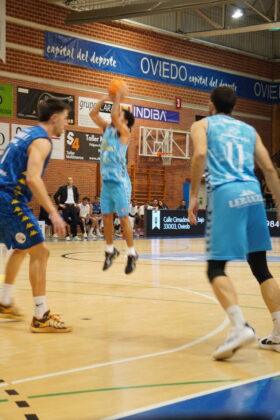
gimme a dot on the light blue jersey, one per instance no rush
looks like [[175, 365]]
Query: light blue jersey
[[236, 219], [116, 185], [231, 146], [113, 156]]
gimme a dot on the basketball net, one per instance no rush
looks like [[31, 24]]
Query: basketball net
[[166, 158]]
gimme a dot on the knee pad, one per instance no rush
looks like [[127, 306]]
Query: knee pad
[[258, 264], [215, 268]]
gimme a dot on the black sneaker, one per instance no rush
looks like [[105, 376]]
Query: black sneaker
[[109, 257], [131, 263]]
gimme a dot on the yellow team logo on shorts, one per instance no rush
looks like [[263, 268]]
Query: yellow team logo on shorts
[[25, 218], [29, 225], [33, 233]]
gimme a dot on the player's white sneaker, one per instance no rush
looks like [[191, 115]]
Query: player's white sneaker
[[271, 342], [76, 238], [238, 337], [67, 238]]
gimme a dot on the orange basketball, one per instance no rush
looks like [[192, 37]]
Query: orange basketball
[[115, 85]]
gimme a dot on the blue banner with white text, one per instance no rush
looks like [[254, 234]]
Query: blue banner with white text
[[156, 114], [122, 61]]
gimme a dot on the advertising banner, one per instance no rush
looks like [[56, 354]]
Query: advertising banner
[[124, 61], [4, 136], [28, 100], [58, 147], [6, 100], [163, 223], [58, 142], [175, 223], [82, 146], [155, 114], [16, 128], [86, 105]]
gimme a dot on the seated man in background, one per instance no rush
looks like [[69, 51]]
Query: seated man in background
[[96, 218], [141, 214], [182, 206], [155, 204], [133, 210], [162, 205], [84, 214], [117, 226], [44, 217], [67, 197]]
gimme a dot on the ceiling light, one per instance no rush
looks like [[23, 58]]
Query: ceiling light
[[237, 14]]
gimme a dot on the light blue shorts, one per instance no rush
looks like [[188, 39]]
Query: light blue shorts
[[236, 221], [115, 197]]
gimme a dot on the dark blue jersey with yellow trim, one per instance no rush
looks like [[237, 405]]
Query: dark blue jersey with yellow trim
[[13, 163]]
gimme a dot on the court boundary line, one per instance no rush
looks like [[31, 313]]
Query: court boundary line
[[134, 358], [121, 415]]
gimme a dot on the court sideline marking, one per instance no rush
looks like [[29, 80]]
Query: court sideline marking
[[119, 416], [134, 358]]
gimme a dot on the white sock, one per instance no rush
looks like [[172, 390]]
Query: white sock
[[109, 248], [235, 316], [7, 294], [276, 322], [40, 306], [131, 251]]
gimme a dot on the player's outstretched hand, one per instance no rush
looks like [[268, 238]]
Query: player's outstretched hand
[[192, 211], [59, 226]]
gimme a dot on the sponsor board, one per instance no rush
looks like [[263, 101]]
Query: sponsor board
[[82, 146]]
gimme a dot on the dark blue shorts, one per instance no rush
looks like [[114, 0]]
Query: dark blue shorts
[[19, 227]]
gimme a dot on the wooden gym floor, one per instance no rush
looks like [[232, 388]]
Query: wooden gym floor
[[138, 340]]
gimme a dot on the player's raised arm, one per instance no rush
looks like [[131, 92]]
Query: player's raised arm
[[38, 151], [117, 117], [264, 162], [95, 113], [199, 142]]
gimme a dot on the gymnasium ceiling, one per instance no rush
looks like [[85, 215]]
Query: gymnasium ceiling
[[256, 32]]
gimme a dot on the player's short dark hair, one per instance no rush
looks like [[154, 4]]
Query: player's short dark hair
[[129, 118], [224, 99], [86, 198], [49, 107]]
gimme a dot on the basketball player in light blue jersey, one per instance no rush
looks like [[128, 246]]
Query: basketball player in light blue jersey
[[116, 185], [236, 219], [21, 169]]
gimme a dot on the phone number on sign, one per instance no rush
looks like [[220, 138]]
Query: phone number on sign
[[273, 223]]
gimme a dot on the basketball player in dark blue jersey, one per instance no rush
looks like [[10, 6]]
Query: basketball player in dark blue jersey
[[236, 219], [116, 185], [21, 169]]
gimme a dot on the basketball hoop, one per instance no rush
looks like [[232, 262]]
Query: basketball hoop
[[165, 157]]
